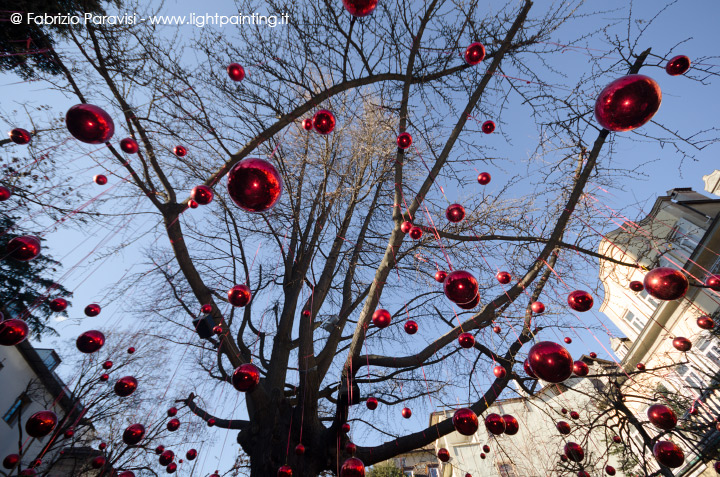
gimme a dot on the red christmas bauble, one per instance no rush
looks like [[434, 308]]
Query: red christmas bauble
[[503, 277], [666, 283], [466, 340], [58, 304], [406, 226], [350, 448], [92, 309], [129, 145], [471, 304], [682, 344], [499, 372], [440, 276], [192, 204], [353, 467], [180, 151], [574, 452], [705, 323], [528, 369], [582, 473], [159, 450], [173, 425], [172, 412], [360, 8], [574, 415], [11, 460], [5, 193], [307, 124], [133, 434], [104, 377], [496, 329], [299, 449], [345, 428], [404, 140], [580, 368], [567, 340], [550, 361], [486, 448], [246, 377], [668, 454], [239, 295], [609, 470], [416, 233], [563, 427], [580, 300], [13, 332], [171, 468], [488, 127], [406, 412], [206, 309], [381, 318], [90, 341], [254, 185], [211, 422], [23, 249], [236, 72], [593, 355], [482, 455], [636, 286], [131, 350], [495, 424], [662, 416], [285, 471], [371, 403], [324, 121], [166, 457], [512, 426], [411, 327], [461, 286], [443, 454], [69, 433], [465, 421], [125, 386], [191, 454], [201, 194], [217, 329], [713, 282], [100, 179], [616, 439], [484, 178], [455, 213], [564, 411], [127, 473], [717, 467], [640, 367], [98, 462], [677, 65], [19, 136], [474, 53], [89, 124], [41, 424], [627, 103], [107, 364], [537, 307]]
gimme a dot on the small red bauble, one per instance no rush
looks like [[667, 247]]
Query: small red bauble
[[23, 249], [666, 283], [616, 439], [107, 364], [461, 286], [406, 412], [173, 424], [100, 179], [482, 455], [503, 277], [206, 309], [662, 416], [488, 127], [90, 341], [202, 194], [609, 470], [550, 361], [404, 140], [574, 415], [180, 151], [381, 318], [416, 233], [324, 121], [455, 213], [131, 350], [360, 8], [11, 460], [192, 204], [713, 282], [104, 377], [465, 421], [406, 226], [246, 377], [567, 340], [58, 304], [89, 124], [98, 462], [129, 145], [69, 433], [496, 329], [705, 323], [353, 467], [537, 307], [574, 452], [564, 411], [411, 327], [239, 295], [677, 65], [125, 386], [371, 403], [582, 473], [306, 313], [563, 427], [41, 424], [528, 369], [345, 428], [512, 426], [254, 185], [484, 178], [350, 448], [191, 454], [682, 344], [443, 454], [627, 103], [92, 309], [166, 457], [499, 372], [495, 424], [285, 471], [172, 412], [133, 434], [486, 448], [307, 124], [19, 136], [211, 422], [5, 193], [159, 450], [236, 72], [13, 332], [636, 286], [580, 300], [217, 329], [440, 276], [580, 368], [299, 449], [668, 454], [466, 340], [474, 53], [640, 367], [593, 355]]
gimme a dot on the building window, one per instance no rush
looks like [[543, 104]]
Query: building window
[[507, 470], [408, 473], [635, 321], [433, 472], [12, 414], [652, 302], [711, 348]]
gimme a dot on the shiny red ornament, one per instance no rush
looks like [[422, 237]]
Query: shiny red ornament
[[307, 124], [192, 204], [127, 473], [69, 433], [677, 65], [512, 426], [455, 213], [662, 416], [496, 329], [666, 283], [564, 411], [19, 136], [580, 368], [640, 367], [201, 194], [404, 140], [461, 286], [482, 455], [125, 386], [466, 340], [104, 377], [217, 329], [406, 226], [191, 454], [406, 412], [499, 372], [353, 467], [486, 448], [254, 185], [98, 462], [537, 307], [443, 454], [58, 304], [107, 364], [173, 425], [528, 369], [713, 282], [239, 295], [306, 313], [159, 450], [484, 178], [236, 72], [593, 355], [440, 276], [133, 434], [41, 424], [285, 471], [246, 377], [495, 424], [345, 428], [131, 350], [668, 454], [574, 415], [705, 323], [563, 427], [580, 300], [582, 473], [616, 439], [503, 278], [471, 304], [13, 332], [360, 8], [23, 249], [411, 327], [682, 344], [550, 361], [129, 145], [474, 53], [90, 341], [166, 457], [627, 103], [180, 151], [350, 448], [5, 193], [172, 412], [381, 318], [206, 309], [574, 452], [609, 470], [416, 233], [89, 124], [299, 449], [636, 286], [567, 340], [324, 121], [371, 403], [11, 460], [92, 309], [488, 127], [100, 179], [211, 422], [465, 421]]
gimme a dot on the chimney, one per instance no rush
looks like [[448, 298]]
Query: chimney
[[712, 182]]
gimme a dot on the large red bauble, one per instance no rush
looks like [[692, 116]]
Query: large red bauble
[[90, 341], [41, 424], [550, 361], [239, 295], [537, 307], [668, 454], [411, 327], [12, 332], [528, 369], [484, 178], [324, 121], [662, 416], [677, 65], [254, 185], [360, 8], [443, 454], [580, 368], [713, 282], [404, 140], [166, 457], [58, 304], [609, 470], [172, 467], [461, 286], [92, 309], [465, 421], [100, 179], [5, 193], [125, 386], [474, 53], [202, 194], [89, 124], [129, 145], [495, 424], [637, 286], [512, 426], [666, 283], [19, 136], [488, 127], [563, 427], [173, 424], [705, 323], [353, 467], [499, 372], [574, 452], [371, 403], [682, 344], [381, 318], [11, 460], [455, 213], [466, 340], [284, 471], [415, 233], [23, 249], [406, 412], [133, 434], [627, 103], [471, 304], [580, 300], [236, 72], [246, 377], [440, 276], [503, 277], [191, 454], [406, 226]]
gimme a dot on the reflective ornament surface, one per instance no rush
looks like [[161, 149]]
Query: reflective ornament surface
[[90, 341], [360, 8], [41, 424], [495, 424], [236, 72], [89, 124], [404, 140], [668, 454], [23, 249], [666, 283], [628, 103], [580, 300], [460, 286], [488, 127], [246, 377], [13, 332], [202, 194], [465, 421], [92, 309], [411, 327], [239, 295], [474, 53], [503, 278], [133, 434], [484, 178], [324, 122], [129, 145], [125, 386], [677, 65], [455, 213], [550, 361], [19, 136], [254, 185], [381, 318], [466, 340]]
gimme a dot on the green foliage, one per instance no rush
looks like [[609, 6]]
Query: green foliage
[[24, 286], [385, 470]]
